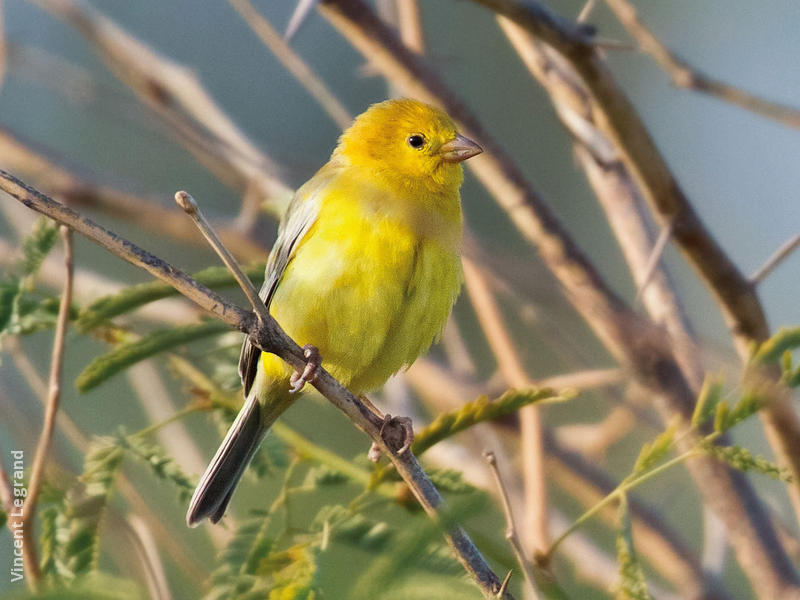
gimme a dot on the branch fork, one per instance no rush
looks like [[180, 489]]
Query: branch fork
[[268, 336]]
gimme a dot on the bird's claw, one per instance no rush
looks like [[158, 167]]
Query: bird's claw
[[313, 360], [395, 431]]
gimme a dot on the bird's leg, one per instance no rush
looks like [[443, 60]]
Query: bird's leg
[[397, 432], [313, 361]]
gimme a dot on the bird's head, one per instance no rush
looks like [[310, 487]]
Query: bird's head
[[409, 139]]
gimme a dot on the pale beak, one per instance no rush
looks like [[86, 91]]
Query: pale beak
[[458, 149]]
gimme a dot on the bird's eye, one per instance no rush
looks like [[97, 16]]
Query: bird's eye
[[416, 141]]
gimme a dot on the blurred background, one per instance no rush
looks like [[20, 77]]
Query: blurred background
[[60, 100]]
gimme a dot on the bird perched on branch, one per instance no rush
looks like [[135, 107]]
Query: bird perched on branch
[[365, 271]]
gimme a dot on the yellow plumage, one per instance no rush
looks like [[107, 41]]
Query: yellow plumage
[[366, 268]]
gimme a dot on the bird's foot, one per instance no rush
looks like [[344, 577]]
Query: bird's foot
[[397, 432], [313, 361]]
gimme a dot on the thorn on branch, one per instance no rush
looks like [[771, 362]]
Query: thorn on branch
[[504, 585]]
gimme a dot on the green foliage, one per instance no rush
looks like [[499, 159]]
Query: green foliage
[[78, 525], [353, 528], [19, 313], [632, 585], [419, 548], [477, 411], [450, 480], [251, 566], [234, 573], [748, 405], [323, 475], [654, 451], [707, 401], [744, 460], [108, 307], [155, 457], [127, 354], [38, 244], [294, 573], [3, 518], [48, 541], [771, 351]]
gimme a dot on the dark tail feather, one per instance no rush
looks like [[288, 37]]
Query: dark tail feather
[[218, 483]]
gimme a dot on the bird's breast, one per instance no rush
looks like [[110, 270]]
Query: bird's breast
[[369, 288]]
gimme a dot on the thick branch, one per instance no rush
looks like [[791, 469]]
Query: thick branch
[[269, 337]]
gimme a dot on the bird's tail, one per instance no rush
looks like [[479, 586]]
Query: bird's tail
[[218, 483]]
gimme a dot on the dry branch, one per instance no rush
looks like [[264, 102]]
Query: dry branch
[[685, 76], [510, 365], [293, 63], [50, 412]]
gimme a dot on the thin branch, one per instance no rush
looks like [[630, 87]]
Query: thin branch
[[652, 261], [269, 337], [685, 76], [511, 530], [293, 63], [50, 412], [146, 551], [189, 206], [586, 11], [508, 361], [775, 259], [301, 12]]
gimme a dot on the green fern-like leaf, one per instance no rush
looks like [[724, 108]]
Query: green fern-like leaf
[[105, 366], [654, 451], [726, 418], [38, 244], [48, 542], [707, 401], [235, 576], [108, 307], [771, 350], [321, 475], [35, 248], [450, 480], [477, 411], [79, 523], [353, 528], [294, 573], [162, 465], [9, 292], [744, 460], [632, 585]]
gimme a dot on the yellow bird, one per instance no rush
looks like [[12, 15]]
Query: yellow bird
[[366, 269]]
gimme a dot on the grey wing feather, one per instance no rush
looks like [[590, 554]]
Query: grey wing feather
[[300, 215]]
